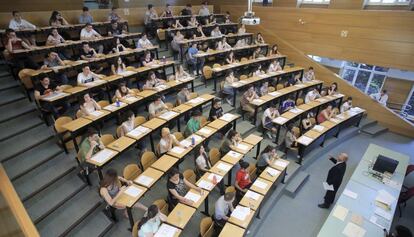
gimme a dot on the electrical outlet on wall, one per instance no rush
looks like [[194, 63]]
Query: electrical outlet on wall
[[344, 33]]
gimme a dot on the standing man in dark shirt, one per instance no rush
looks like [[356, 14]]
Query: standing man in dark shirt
[[335, 176], [187, 11], [47, 88], [216, 112]]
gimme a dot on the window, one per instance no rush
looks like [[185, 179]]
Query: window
[[388, 2], [315, 1]]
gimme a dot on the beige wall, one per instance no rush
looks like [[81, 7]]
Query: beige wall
[[40, 5]]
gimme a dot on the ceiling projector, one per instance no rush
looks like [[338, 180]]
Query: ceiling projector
[[249, 18]]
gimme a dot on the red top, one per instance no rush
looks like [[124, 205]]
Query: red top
[[243, 178], [320, 117]]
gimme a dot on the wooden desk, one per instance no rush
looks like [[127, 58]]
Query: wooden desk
[[205, 178], [131, 99], [249, 201], [266, 174], [76, 124], [200, 200], [180, 215], [121, 144], [260, 190], [230, 230], [165, 229], [206, 131], [103, 113], [139, 132], [146, 93], [217, 124], [164, 163], [216, 168], [151, 173], [242, 223], [182, 108], [232, 157], [280, 164], [129, 197], [154, 123], [253, 139], [243, 148], [114, 108]]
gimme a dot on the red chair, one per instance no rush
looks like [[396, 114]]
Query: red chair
[[410, 168], [404, 197]]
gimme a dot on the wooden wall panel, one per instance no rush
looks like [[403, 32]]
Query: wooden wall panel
[[398, 89], [40, 5], [270, 30], [285, 3], [346, 4]]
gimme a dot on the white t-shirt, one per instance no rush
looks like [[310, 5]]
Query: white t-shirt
[[204, 11], [216, 33], [23, 24], [381, 99], [268, 114], [311, 96], [308, 76], [153, 109], [144, 43], [345, 106], [85, 34], [82, 78], [163, 143], [201, 162]]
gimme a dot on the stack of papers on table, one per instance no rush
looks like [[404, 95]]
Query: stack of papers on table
[[205, 130], [227, 117], [263, 75], [131, 99], [54, 95], [144, 180], [318, 128], [185, 143], [281, 163], [242, 147], [280, 120], [305, 140], [218, 177], [335, 120], [196, 137], [196, 100], [385, 199], [168, 115], [252, 195], [272, 172], [352, 230], [322, 100], [193, 196], [205, 185], [138, 131], [96, 113], [166, 231], [274, 93], [240, 213], [257, 101], [133, 191], [178, 150], [102, 156], [260, 184], [234, 154], [296, 110]]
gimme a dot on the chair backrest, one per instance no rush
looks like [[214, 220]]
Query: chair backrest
[[203, 121], [252, 171], [131, 68], [139, 120], [335, 110], [215, 155], [271, 89], [107, 138], [279, 86], [65, 87], [193, 95], [135, 229], [169, 105], [190, 175], [119, 131], [299, 101], [243, 59], [216, 65], [158, 149], [60, 122], [25, 78], [296, 131], [312, 121], [207, 72], [161, 34], [221, 85], [103, 103], [162, 206], [243, 77], [147, 159], [79, 113], [179, 136], [230, 189], [206, 227], [131, 171]]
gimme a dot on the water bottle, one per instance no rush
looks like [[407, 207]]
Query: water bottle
[[214, 180], [117, 103], [192, 141], [163, 59]]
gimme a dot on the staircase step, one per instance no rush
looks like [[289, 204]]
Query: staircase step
[[203, 90], [11, 95], [31, 159], [24, 141], [244, 127], [43, 176], [366, 122], [227, 108], [19, 124], [8, 83], [15, 109], [294, 185], [70, 214], [97, 224], [51, 198], [374, 130]]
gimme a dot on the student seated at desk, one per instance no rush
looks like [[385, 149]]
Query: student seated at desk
[[56, 19], [259, 39], [167, 141], [309, 75], [307, 123], [199, 33], [242, 182], [47, 88], [18, 23], [12, 43], [194, 124], [180, 73], [151, 222], [88, 33], [257, 53], [144, 43], [268, 115], [167, 12], [326, 114], [118, 67], [223, 45], [204, 11], [178, 37], [293, 80], [152, 82], [222, 209], [246, 99], [264, 89], [87, 76], [111, 188], [183, 96], [274, 66], [203, 163], [333, 89], [89, 105], [274, 50], [258, 71], [178, 187], [216, 110], [347, 105], [211, 20], [87, 53], [381, 97], [196, 64], [312, 95], [176, 24], [187, 11], [122, 92], [288, 104], [230, 142], [241, 43], [150, 14], [242, 29], [157, 107], [54, 38], [266, 158], [128, 125], [227, 17], [147, 59], [291, 136], [115, 30], [113, 15], [53, 60], [86, 16], [228, 88], [216, 32], [192, 22], [230, 58], [90, 145]]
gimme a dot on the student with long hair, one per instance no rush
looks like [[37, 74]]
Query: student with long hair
[[151, 222]]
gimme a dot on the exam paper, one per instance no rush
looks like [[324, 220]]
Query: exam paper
[[350, 194], [280, 120], [205, 130], [281, 163], [305, 140], [258, 101], [192, 196], [272, 172], [133, 191], [224, 167], [185, 143], [252, 195], [205, 185], [240, 212], [242, 147], [96, 113], [227, 117], [166, 231], [102, 156], [168, 115], [352, 230], [318, 128], [260, 184], [340, 212], [178, 150], [145, 180], [234, 154], [218, 177]]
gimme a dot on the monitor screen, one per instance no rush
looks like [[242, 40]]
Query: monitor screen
[[385, 164]]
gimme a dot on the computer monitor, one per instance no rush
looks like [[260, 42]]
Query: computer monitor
[[385, 164]]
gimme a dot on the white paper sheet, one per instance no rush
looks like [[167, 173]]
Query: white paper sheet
[[385, 197], [205, 130], [185, 143], [335, 120], [272, 172], [126, 73], [281, 163], [240, 212], [296, 111], [102, 156], [224, 167], [144, 180], [280, 120], [380, 222], [257, 101], [133, 191], [252, 195], [192, 196], [166, 231], [260, 184], [274, 93], [327, 187], [227, 117], [54, 95], [96, 113], [340, 212], [178, 150], [205, 185], [142, 129], [168, 115], [352, 230], [131, 99], [322, 100], [381, 212], [234, 154], [197, 138], [218, 177], [318, 128], [242, 147], [350, 194], [305, 140], [300, 85]]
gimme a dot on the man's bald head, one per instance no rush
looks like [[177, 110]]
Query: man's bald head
[[343, 157]]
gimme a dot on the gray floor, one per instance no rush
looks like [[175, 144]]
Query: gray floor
[[300, 217]]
